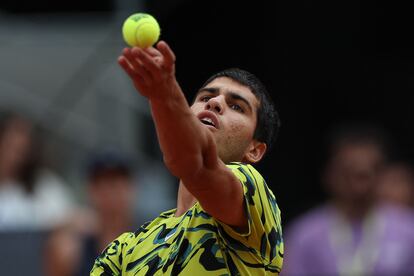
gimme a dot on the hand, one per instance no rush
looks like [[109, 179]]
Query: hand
[[152, 69]]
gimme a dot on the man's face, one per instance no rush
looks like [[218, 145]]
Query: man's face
[[15, 146], [111, 193], [229, 110], [354, 172]]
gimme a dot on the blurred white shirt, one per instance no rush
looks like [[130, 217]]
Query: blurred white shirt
[[48, 206]]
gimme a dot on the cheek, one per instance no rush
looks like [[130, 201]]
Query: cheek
[[237, 129], [243, 128], [237, 136], [196, 107]]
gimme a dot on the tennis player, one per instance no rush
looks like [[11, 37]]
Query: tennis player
[[226, 221]]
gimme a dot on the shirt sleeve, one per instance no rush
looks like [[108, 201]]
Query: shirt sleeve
[[264, 234], [109, 262]]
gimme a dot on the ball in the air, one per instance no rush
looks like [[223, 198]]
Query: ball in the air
[[140, 29]]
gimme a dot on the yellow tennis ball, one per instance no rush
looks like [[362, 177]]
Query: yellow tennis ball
[[140, 29]]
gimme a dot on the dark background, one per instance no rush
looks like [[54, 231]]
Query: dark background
[[324, 62]]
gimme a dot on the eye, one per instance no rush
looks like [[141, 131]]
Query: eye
[[237, 107], [205, 98]]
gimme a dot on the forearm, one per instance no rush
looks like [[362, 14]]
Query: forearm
[[188, 146], [189, 150], [184, 142]]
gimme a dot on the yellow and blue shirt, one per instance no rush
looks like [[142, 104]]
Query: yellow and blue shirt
[[195, 243]]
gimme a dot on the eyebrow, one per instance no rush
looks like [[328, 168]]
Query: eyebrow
[[233, 95]]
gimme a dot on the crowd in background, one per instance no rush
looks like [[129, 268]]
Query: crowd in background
[[43, 227], [365, 228], [31, 195], [367, 225]]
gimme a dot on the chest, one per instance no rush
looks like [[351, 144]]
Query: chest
[[173, 245]]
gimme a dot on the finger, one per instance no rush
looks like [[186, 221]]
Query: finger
[[137, 74], [147, 61], [169, 56], [131, 59], [123, 62], [138, 65], [138, 80], [153, 52]]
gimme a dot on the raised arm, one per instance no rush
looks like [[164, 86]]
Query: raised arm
[[188, 147]]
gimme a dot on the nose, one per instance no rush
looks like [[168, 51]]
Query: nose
[[214, 104]]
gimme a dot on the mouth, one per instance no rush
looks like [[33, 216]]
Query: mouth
[[208, 121], [208, 118]]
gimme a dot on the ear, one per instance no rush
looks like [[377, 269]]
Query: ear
[[254, 152]]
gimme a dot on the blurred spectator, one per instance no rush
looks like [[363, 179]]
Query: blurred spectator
[[350, 235], [396, 185], [72, 250], [32, 197]]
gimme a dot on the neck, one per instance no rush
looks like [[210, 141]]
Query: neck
[[185, 200], [353, 211]]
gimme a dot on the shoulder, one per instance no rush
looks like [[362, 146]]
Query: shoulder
[[398, 219], [246, 174], [253, 182], [122, 240], [117, 248], [239, 167]]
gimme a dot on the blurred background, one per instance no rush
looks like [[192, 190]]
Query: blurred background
[[66, 107]]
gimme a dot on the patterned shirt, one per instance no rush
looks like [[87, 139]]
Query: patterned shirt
[[196, 243]]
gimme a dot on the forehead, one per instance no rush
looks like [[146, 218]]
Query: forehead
[[226, 85], [359, 155]]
